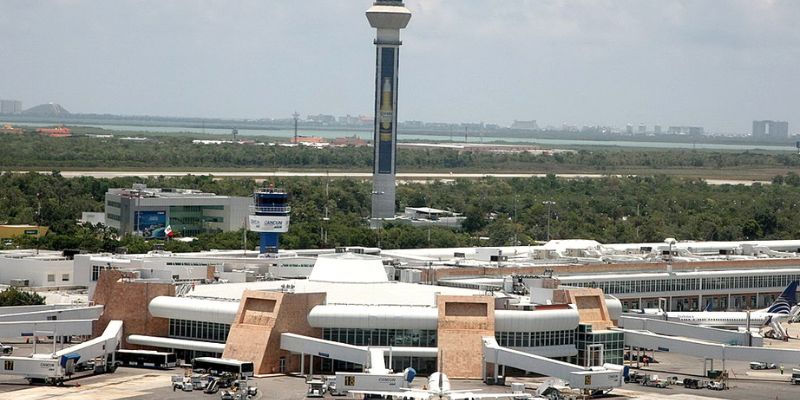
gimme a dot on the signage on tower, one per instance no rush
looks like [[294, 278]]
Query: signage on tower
[[386, 110], [268, 223]]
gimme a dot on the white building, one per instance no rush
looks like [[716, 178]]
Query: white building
[[29, 268]]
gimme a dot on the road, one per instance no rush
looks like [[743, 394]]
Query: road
[[414, 176]]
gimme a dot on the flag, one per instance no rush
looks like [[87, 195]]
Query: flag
[[168, 231]]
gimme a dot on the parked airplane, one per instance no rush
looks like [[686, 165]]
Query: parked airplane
[[783, 307], [438, 388]]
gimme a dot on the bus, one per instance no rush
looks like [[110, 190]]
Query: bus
[[220, 366], [145, 359]]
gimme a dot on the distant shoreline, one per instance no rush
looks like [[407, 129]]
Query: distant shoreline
[[212, 126]]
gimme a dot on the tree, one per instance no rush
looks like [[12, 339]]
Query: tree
[[14, 297]]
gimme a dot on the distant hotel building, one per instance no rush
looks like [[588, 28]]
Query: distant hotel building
[[525, 125], [770, 129], [686, 130], [147, 211], [10, 107]]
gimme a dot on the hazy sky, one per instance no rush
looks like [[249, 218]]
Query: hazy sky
[[715, 63]]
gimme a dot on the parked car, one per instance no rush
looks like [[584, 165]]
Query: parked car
[[654, 381], [716, 385], [762, 365]]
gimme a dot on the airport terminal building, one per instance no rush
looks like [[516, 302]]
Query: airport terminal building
[[348, 298]]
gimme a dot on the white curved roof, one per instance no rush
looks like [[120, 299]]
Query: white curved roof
[[536, 320], [348, 268], [614, 307], [194, 309], [373, 317], [169, 343]]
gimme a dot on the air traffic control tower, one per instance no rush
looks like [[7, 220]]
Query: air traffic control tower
[[387, 17], [270, 217]]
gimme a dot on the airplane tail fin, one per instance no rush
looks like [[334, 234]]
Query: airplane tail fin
[[708, 306], [784, 303]]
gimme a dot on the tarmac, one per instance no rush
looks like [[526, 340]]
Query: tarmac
[[146, 384]]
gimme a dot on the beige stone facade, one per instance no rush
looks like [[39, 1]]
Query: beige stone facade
[[255, 334], [128, 301], [463, 322], [591, 306]]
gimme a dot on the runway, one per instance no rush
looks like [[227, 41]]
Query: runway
[[406, 177]]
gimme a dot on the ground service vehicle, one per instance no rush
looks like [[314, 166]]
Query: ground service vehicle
[[330, 383], [654, 381], [716, 385], [635, 377], [145, 359], [316, 388], [220, 366], [691, 383], [183, 383], [795, 376]]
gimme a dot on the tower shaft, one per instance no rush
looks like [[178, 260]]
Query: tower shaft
[[388, 17]]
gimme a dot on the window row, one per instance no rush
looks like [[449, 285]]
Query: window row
[[535, 339], [690, 284], [52, 278], [186, 329], [382, 337]]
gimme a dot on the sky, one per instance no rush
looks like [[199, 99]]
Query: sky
[[718, 64]]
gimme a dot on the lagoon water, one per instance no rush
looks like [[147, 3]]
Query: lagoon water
[[330, 134]]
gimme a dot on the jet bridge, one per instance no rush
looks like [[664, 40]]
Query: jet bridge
[[372, 358], [672, 328], [55, 367], [607, 377], [44, 313], [16, 329], [703, 349]]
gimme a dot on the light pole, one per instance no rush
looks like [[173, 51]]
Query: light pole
[[548, 203], [515, 221]]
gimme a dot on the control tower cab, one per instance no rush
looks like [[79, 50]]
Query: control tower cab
[[269, 217]]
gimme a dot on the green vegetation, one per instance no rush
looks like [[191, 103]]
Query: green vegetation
[[630, 209], [176, 152], [14, 297]]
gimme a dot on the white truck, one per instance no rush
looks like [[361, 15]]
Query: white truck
[[346, 381]]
